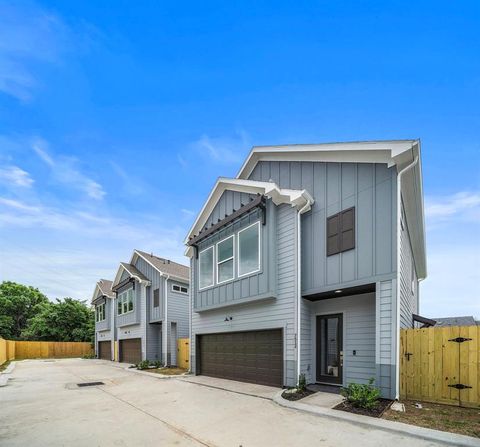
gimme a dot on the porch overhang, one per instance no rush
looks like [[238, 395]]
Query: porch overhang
[[337, 293]]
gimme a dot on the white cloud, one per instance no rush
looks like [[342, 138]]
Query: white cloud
[[131, 185], [223, 150], [15, 176], [66, 171], [28, 36], [452, 206]]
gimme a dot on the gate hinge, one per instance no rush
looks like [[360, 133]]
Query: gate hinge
[[460, 339], [459, 386]]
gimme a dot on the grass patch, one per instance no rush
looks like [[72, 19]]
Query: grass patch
[[4, 366], [464, 421], [173, 371]]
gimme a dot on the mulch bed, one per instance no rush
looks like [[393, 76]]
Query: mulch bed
[[376, 412], [297, 395]]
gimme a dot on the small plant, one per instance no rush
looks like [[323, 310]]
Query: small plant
[[363, 396], [157, 364], [302, 383], [91, 355], [144, 364]]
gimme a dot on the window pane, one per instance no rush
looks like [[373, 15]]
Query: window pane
[[248, 241], [225, 249], [225, 271], [130, 299], [206, 268]]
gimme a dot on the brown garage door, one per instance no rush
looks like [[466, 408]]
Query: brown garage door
[[131, 350], [255, 357], [104, 350]]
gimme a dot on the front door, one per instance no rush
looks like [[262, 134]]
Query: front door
[[330, 348]]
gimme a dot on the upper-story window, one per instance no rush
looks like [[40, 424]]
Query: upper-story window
[[125, 302], [156, 298], [205, 268], [179, 289], [100, 312], [225, 260], [341, 232], [249, 250]]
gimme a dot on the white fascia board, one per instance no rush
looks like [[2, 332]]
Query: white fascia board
[[279, 196], [173, 277], [356, 152]]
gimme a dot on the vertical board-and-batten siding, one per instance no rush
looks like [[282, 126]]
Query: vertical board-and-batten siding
[[407, 277], [257, 285], [272, 314], [371, 189]]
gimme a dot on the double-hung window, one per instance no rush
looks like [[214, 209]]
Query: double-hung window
[[249, 250], [125, 302], [100, 312], [205, 263], [225, 260]]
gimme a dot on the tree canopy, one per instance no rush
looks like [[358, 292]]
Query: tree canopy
[[18, 303], [27, 314]]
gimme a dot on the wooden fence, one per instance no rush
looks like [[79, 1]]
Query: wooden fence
[[10, 350], [441, 364], [183, 353]]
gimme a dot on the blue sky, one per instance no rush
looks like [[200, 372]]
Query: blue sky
[[117, 117]]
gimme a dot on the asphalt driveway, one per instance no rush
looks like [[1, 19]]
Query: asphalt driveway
[[43, 406]]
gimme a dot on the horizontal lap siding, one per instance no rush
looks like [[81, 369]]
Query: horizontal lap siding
[[371, 189], [408, 289], [274, 313], [359, 334]]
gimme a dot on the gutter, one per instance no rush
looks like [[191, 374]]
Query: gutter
[[399, 226], [167, 277], [301, 211]]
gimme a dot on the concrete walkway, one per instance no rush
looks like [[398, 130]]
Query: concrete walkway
[[43, 406]]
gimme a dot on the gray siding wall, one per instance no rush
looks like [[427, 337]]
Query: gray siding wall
[[154, 313], [230, 201], [134, 316], [358, 334], [103, 336], [306, 348], [275, 313], [386, 337], [256, 286], [177, 315], [371, 189], [407, 277], [105, 324]]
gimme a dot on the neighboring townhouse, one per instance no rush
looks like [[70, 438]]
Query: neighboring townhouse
[[103, 301], [151, 308], [308, 262]]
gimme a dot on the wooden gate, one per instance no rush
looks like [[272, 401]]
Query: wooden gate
[[441, 365], [183, 353]]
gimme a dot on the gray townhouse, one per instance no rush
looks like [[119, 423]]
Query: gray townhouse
[[103, 301], [309, 262], [149, 309]]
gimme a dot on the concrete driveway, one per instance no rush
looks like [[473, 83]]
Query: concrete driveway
[[43, 406]]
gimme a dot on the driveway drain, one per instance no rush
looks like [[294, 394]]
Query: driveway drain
[[90, 384]]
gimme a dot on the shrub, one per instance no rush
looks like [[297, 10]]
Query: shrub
[[157, 364], [144, 364], [302, 382], [91, 355], [363, 396]]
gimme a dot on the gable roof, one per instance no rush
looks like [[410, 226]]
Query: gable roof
[[164, 266], [103, 287], [132, 271], [297, 198], [399, 153], [456, 321]]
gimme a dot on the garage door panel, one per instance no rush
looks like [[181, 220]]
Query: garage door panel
[[131, 350], [104, 350], [254, 356]]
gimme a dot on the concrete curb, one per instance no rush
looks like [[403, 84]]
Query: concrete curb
[[154, 375], [5, 375], [9, 369], [426, 434]]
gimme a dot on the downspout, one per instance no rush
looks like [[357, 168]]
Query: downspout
[[304, 209], [167, 277], [112, 329], [399, 229]]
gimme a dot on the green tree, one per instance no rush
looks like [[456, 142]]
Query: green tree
[[18, 303], [67, 320]]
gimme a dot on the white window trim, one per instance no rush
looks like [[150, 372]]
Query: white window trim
[[179, 291], [259, 250], [231, 258], [133, 301], [97, 312], [213, 269]]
